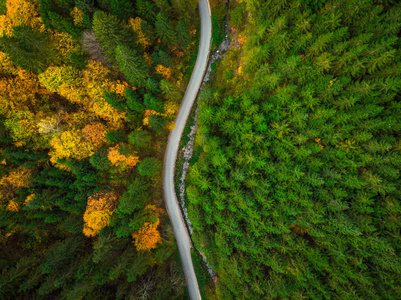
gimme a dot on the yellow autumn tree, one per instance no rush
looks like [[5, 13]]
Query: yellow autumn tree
[[87, 88], [10, 183], [78, 16], [99, 210], [20, 12], [119, 87], [19, 93], [164, 71], [64, 44], [63, 80], [70, 144], [23, 129], [148, 113], [97, 83], [7, 67], [135, 24], [13, 206]]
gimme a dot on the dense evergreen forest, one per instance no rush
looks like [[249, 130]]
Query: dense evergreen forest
[[294, 189], [88, 94]]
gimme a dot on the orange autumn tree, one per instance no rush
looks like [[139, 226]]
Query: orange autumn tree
[[98, 212], [164, 71], [147, 237], [123, 162], [95, 134]]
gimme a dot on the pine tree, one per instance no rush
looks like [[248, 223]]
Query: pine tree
[[28, 48], [165, 30], [149, 167], [111, 33], [184, 37], [132, 65], [140, 139], [122, 9], [157, 123]]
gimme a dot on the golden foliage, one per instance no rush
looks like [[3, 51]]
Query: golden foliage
[[63, 80], [19, 93], [77, 16], [23, 129], [96, 221], [6, 27], [64, 44], [120, 160], [95, 134], [147, 237], [170, 125], [162, 70], [148, 58], [87, 88], [119, 87], [136, 27], [7, 67], [20, 12], [13, 206], [96, 83], [171, 107], [148, 113], [242, 39], [317, 140], [29, 198], [16, 179], [70, 144], [98, 212]]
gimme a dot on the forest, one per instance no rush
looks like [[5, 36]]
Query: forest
[[88, 94], [294, 188]]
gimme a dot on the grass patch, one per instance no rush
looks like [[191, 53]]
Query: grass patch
[[201, 272], [218, 31]]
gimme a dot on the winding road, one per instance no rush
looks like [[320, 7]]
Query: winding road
[[173, 207]]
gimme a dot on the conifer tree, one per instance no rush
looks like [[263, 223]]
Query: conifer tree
[[165, 30], [28, 48], [133, 66]]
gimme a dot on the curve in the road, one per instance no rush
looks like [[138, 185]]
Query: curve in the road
[[173, 208]]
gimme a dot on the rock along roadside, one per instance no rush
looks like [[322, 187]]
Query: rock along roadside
[[173, 207]]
